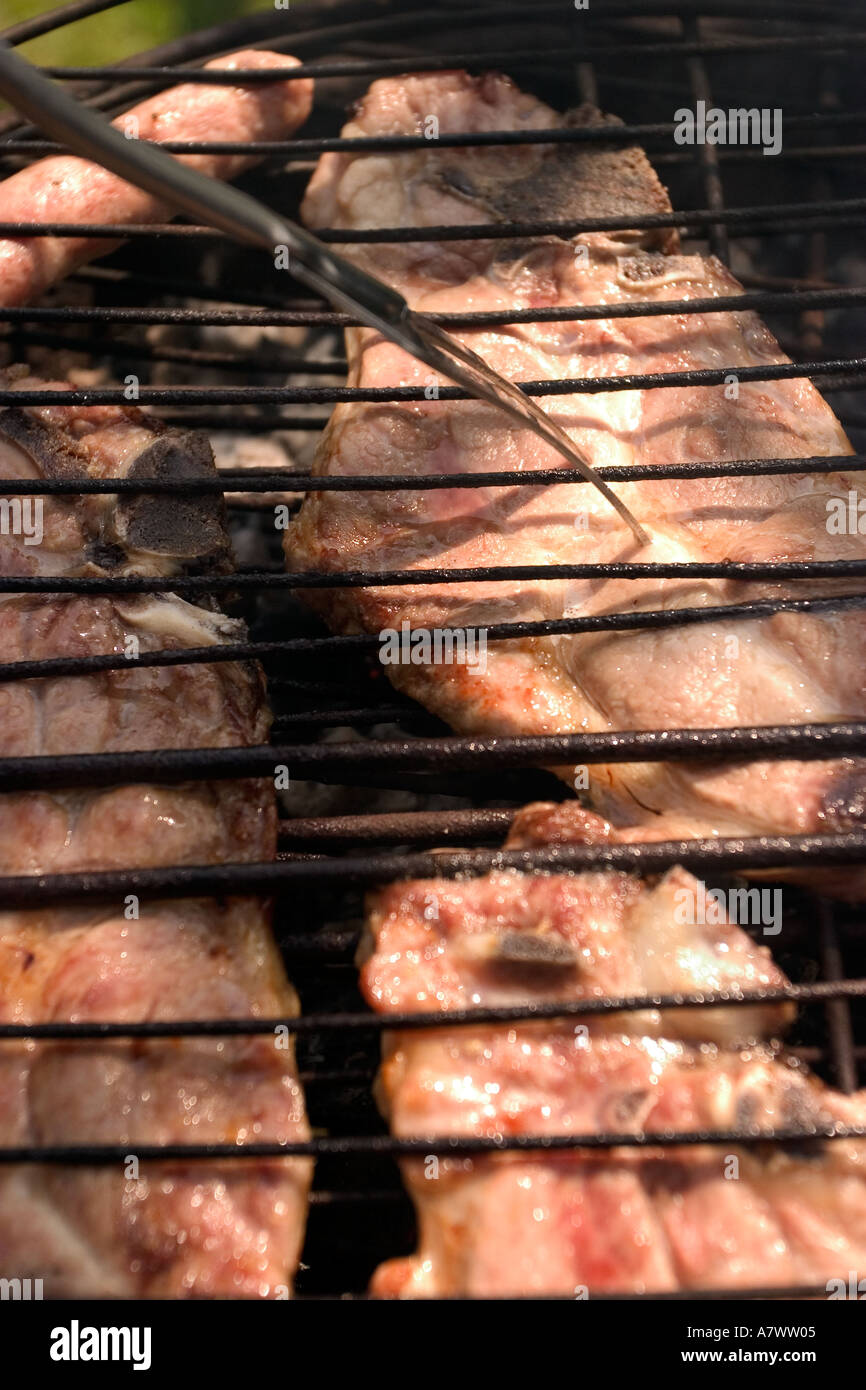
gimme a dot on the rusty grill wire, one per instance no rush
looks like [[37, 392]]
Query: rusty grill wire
[[325, 858]]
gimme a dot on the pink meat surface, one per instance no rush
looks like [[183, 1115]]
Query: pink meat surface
[[788, 669], [620, 1219], [161, 1229]]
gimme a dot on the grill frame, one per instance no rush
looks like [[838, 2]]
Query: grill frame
[[722, 224]]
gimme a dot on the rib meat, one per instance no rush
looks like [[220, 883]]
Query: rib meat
[[587, 1221], [787, 669], [67, 189], [129, 1229]]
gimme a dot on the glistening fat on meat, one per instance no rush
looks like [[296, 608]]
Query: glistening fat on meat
[[787, 669], [622, 1219], [65, 188], [148, 1229]]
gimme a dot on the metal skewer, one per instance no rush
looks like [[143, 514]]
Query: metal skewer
[[246, 219]]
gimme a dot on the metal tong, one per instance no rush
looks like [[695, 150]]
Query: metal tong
[[348, 288]]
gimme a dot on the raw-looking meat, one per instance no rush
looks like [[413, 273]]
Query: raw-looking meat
[[788, 669], [621, 1219], [164, 1229], [65, 188]]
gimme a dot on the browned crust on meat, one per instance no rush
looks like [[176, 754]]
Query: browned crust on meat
[[190, 529], [586, 181]]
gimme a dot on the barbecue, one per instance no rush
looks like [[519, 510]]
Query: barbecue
[[377, 783]]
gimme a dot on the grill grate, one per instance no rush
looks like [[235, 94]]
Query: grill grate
[[359, 1212]]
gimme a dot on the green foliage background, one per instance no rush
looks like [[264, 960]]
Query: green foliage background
[[119, 33]]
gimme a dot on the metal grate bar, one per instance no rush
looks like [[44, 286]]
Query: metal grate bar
[[813, 321], [749, 743], [550, 1011], [52, 20], [839, 1026], [719, 855], [844, 45], [446, 1145], [771, 571], [642, 133], [311, 312], [759, 300], [784, 217], [272, 363], [406, 826], [780, 217], [271, 480], [643, 620], [352, 762], [317, 395], [712, 181], [762, 301]]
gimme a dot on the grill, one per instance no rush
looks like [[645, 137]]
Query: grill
[[783, 224]]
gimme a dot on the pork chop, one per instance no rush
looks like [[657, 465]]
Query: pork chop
[[787, 669], [584, 1221], [137, 1229]]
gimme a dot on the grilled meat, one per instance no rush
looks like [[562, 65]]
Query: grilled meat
[[627, 1219], [154, 1229], [67, 189], [783, 670]]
